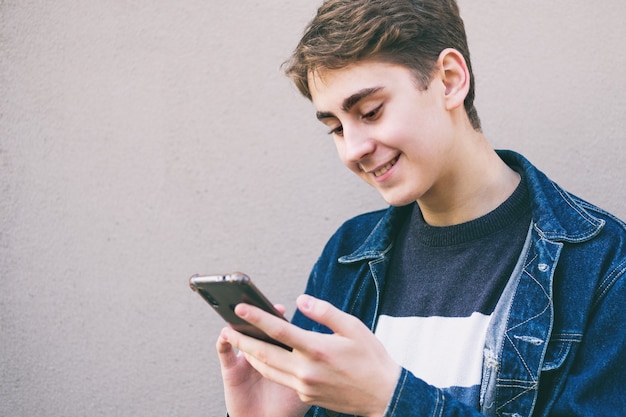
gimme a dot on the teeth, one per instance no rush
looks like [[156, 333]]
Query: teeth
[[386, 168]]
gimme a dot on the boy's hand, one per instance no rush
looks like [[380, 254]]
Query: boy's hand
[[348, 371], [247, 393]]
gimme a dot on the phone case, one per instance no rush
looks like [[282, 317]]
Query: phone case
[[224, 292]]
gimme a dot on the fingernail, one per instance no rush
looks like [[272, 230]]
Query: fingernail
[[223, 335], [241, 310], [306, 302]]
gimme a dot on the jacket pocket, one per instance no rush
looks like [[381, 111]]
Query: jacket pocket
[[558, 349]]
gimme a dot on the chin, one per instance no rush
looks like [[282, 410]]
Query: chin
[[397, 200]]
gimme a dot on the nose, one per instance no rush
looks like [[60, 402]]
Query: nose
[[357, 145]]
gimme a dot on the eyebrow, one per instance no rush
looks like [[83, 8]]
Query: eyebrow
[[350, 102]]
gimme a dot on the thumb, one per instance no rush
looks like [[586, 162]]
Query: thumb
[[226, 353], [330, 316]]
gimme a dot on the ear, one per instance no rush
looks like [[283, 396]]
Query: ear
[[455, 76]]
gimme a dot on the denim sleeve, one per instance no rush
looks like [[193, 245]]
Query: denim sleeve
[[594, 384], [415, 398]]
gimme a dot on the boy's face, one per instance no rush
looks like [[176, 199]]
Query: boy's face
[[392, 133]]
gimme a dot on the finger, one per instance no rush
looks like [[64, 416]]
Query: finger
[[277, 328], [330, 316], [236, 370], [225, 350], [267, 362], [281, 308], [271, 361]]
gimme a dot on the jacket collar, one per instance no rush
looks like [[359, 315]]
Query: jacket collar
[[380, 240], [556, 214]]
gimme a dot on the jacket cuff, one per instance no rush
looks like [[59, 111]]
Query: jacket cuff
[[414, 397]]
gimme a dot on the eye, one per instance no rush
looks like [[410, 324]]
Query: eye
[[372, 115], [338, 131]]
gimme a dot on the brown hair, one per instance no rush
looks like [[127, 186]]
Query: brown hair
[[411, 33]]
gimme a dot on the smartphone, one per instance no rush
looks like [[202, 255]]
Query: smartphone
[[224, 292]]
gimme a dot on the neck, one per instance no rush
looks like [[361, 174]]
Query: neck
[[476, 184]]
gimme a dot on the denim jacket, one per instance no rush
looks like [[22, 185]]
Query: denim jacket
[[556, 345]]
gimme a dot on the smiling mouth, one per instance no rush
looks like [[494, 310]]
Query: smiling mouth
[[383, 170]]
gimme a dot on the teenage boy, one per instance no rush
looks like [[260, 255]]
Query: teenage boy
[[485, 289]]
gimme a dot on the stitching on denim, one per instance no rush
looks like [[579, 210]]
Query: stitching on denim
[[376, 284], [567, 337], [545, 309], [569, 200], [519, 355], [371, 253], [533, 387], [357, 297], [443, 402], [609, 281], [542, 312], [590, 207], [401, 388]]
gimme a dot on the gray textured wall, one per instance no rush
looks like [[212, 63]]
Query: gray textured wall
[[144, 141]]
